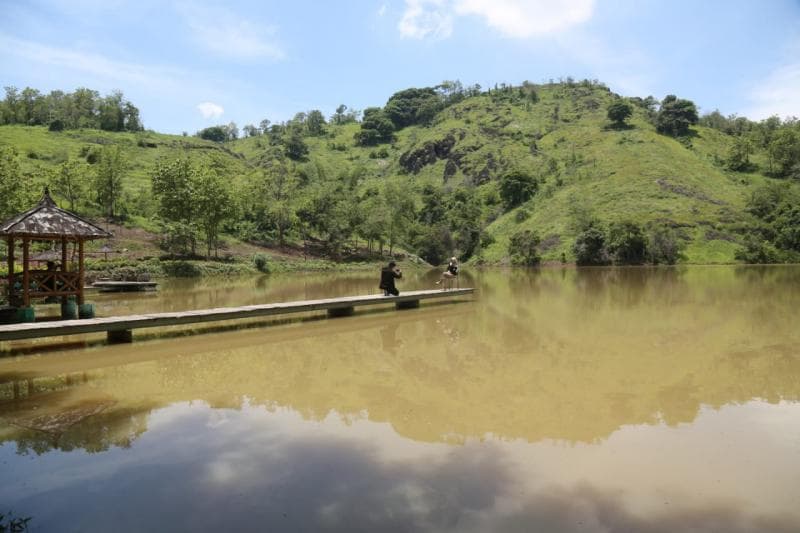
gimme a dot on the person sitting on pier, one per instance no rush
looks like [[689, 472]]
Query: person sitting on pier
[[451, 272], [388, 274]]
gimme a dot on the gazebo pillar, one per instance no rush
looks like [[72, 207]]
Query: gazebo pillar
[[80, 271], [10, 268], [26, 276], [64, 262]]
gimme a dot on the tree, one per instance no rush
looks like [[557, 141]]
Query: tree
[[784, 152], [618, 112], [675, 116], [343, 116], [738, 158], [663, 245], [68, 181], [376, 128], [112, 117], [294, 145], [403, 107], [517, 187], [231, 131], [16, 194], [627, 243], [274, 197], [109, 179], [400, 205], [172, 184], [213, 205], [315, 123], [523, 248], [590, 246], [214, 133]]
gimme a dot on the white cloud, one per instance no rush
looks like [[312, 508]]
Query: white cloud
[[778, 94], [382, 9], [153, 78], [426, 19], [520, 19], [210, 110], [226, 34]]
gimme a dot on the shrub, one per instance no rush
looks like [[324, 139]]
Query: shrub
[[626, 243], [517, 187], [522, 215], [590, 247], [758, 251], [523, 248], [181, 269], [663, 245], [260, 262]]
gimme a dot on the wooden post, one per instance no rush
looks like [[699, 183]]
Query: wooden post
[[119, 336], [26, 276], [340, 312], [64, 266], [80, 272], [10, 268]]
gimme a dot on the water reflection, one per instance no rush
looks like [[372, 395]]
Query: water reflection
[[597, 399]]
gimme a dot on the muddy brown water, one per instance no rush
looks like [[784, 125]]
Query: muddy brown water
[[641, 399]]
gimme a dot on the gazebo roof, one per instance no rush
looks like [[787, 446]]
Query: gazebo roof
[[48, 221]]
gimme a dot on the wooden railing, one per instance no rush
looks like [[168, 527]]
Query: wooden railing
[[44, 283]]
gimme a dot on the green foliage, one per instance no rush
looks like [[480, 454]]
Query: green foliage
[[517, 187], [261, 262], [777, 238], [16, 194], [294, 145], [83, 108], [181, 269], [376, 128], [675, 116], [191, 196], [412, 106], [315, 122], [433, 243], [757, 250], [626, 243], [173, 186], [664, 245], [108, 182], [521, 215], [213, 133], [272, 202], [178, 238], [784, 152], [738, 158], [70, 181], [618, 112], [523, 248], [590, 247]]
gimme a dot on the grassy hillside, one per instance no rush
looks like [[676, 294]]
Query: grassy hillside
[[583, 166]]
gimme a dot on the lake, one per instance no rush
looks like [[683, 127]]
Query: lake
[[607, 399]]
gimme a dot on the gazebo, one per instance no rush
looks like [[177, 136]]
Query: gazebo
[[47, 222]]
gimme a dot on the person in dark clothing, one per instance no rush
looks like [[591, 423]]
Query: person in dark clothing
[[388, 274]]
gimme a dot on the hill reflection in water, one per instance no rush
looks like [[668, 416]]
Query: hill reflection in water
[[598, 393]]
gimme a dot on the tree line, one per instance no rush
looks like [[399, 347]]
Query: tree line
[[82, 108]]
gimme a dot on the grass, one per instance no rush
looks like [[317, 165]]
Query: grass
[[631, 173]]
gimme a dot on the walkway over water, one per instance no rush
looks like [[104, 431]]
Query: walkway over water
[[119, 328]]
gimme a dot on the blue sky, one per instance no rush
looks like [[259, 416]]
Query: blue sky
[[190, 64]]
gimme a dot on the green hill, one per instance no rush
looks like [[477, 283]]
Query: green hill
[[436, 189]]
